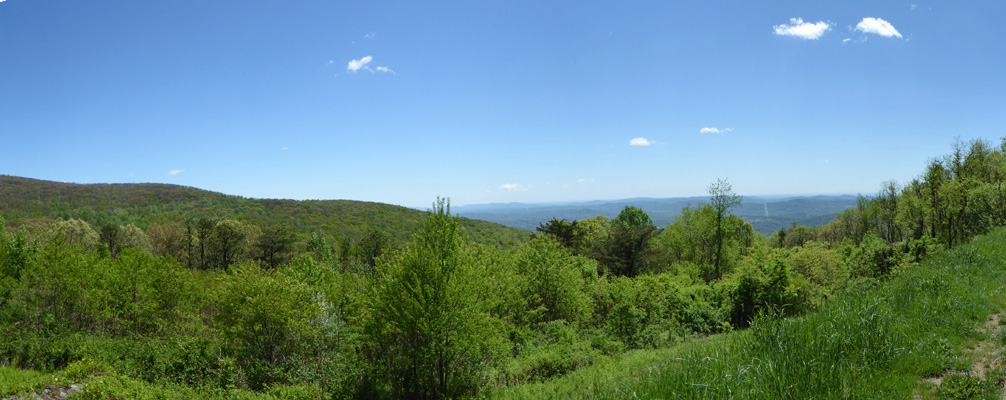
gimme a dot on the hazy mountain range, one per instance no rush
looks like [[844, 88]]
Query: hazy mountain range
[[765, 213]]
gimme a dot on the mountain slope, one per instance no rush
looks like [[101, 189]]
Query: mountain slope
[[34, 202]]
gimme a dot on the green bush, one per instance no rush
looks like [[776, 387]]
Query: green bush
[[764, 286], [873, 257], [266, 318], [654, 311], [552, 282]]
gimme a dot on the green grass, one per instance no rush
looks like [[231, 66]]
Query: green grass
[[874, 341], [16, 380], [99, 381]]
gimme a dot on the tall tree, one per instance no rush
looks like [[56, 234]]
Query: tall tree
[[371, 247], [111, 237], [228, 241], [632, 216], [167, 239], [563, 231], [430, 321], [722, 198], [75, 231], [274, 245], [204, 234], [628, 249], [692, 239]]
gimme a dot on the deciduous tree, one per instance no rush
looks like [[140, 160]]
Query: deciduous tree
[[430, 323], [722, 200]]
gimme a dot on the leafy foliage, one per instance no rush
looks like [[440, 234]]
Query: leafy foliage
[[429, 326]]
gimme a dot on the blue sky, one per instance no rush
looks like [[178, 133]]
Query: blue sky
[[493, 101]]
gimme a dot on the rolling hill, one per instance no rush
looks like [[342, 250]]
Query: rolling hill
[[33, 203]]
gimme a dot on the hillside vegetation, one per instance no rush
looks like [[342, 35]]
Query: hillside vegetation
[[175, 305], [35, 204], [875, 342]]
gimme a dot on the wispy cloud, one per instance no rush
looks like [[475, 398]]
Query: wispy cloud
[[356, 65], [913, 5], [846, 40], [877, 26], [285, 148], [714, 130], [640, 141], [803, 30], [175, 171], [514, 187], [370, 35]]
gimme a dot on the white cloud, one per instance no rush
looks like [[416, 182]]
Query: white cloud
[[878, 26], [714, 130], [330, 62], [514, 187], [370, 35], [175, 171], [913, 6], [355, 65], [800, 29], [846, 40], [386, 69], [640, 141]]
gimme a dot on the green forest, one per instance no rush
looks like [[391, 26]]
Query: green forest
[[160, 291]]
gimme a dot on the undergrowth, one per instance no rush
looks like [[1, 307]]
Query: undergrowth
[[873, 341]]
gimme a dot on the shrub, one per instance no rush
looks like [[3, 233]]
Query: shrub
[[552, 283], [266, 318]]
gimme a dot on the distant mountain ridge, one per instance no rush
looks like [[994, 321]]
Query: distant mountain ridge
[[765, 213], [34, 203]]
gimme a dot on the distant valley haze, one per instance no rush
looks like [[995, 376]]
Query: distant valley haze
[[766, 214]]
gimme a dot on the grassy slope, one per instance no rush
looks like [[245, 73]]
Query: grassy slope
[[33, 203], [875, 341]]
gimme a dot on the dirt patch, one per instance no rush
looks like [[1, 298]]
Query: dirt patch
[[987, 355]]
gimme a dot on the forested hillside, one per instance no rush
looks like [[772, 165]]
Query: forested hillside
[[205, 299], [36, 204]]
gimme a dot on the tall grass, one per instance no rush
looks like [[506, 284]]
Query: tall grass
[[874, 341], [16, 380]]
